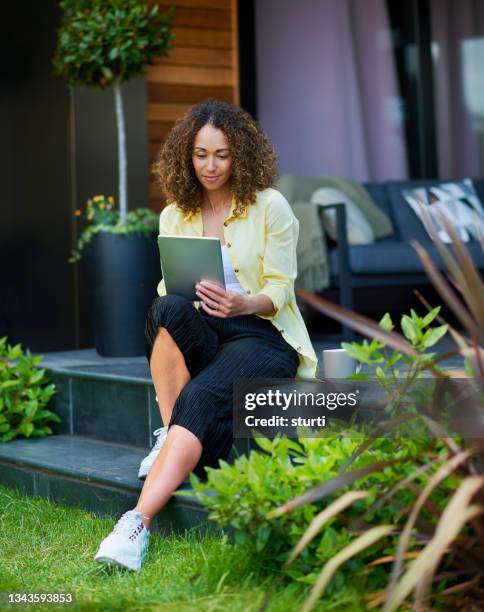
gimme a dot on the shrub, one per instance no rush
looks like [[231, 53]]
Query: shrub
[[450, 562], [245, 495], [24, 393], [332, 511]]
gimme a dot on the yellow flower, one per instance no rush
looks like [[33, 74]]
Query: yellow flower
[[96, 198], [101, 206], [77, 213], [111, 200]]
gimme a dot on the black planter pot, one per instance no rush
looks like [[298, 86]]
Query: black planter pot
[[122, 274]]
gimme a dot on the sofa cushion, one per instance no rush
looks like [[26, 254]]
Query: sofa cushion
[[358, 229], [457, 200], [295, 187], [395, 258], [408, 226]]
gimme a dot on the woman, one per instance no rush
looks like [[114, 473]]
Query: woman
[[216, 167]]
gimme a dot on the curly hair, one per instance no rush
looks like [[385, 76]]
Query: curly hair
[[254, 164]]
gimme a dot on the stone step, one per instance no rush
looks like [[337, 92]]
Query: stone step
[[100, 477], [115, 406], [108, 399]]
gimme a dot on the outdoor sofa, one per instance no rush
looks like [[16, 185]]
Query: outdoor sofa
[[387, 262]]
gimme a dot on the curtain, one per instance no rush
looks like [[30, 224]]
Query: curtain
[[458, 62], [327, 88]]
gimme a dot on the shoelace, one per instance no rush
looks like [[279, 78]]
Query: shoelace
[[129, 524], [160, 438]]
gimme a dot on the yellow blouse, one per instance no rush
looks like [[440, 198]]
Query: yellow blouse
[[262, 248]]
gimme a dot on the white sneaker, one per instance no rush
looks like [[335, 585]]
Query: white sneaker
[[148, 461], [127, 544]]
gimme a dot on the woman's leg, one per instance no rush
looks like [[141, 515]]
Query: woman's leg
[[179, 344], [168, 371], [181, 450], [178, 456], [200, 430], [205, 405], [183, 339], [203, 412]]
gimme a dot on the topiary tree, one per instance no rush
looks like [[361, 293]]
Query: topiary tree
[[105, 42]]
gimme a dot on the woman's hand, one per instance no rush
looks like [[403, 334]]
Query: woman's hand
[[223, 304]]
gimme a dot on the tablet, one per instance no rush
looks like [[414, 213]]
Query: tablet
[[186, 260]]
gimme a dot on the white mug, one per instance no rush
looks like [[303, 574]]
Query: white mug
[[338, 364]]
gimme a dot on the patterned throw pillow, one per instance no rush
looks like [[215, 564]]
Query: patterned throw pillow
[[358, 229], [458, 201]]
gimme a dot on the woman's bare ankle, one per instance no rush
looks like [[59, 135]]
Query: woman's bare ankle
[[147, 520]]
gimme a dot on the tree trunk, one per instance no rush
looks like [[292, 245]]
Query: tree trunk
[[122, 158]]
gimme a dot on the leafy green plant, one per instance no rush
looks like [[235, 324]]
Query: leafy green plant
[[24, 394], [105, 42], [251, 496], [340, 501], [386, 362], [101, 216], [448, 569]]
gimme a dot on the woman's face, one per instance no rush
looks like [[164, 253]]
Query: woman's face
[[211, 158]]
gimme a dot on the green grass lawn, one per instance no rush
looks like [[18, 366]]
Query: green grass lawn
[[45, 547]]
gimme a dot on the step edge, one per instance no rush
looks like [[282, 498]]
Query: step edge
[[65, 473], [179, 501], [68, 372]]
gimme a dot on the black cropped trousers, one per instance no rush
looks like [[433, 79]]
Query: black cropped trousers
[[216, 351]]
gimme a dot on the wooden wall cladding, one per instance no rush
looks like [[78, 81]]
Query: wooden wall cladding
[[203, 64]]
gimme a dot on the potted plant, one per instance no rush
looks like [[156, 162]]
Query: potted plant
[[122, 267], [101, 44]]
